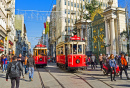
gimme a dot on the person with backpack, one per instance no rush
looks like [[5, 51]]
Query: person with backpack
[[31, 65], [14, 72], [4, 64]]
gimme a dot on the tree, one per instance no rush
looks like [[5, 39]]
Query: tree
[[91, 7]]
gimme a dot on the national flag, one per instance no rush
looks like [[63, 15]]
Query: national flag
[[44, 25]]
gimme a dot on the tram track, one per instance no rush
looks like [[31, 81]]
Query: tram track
[[94, 78], [43, 86], [83, 80], [54, 78]]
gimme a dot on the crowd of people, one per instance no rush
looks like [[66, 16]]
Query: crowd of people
[[111, 62], [14, 67]]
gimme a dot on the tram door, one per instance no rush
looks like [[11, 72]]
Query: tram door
[[66, 53]]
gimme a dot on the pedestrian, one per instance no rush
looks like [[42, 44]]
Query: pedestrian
[[2, 61], [31, 66], [93, 61], [4, 64], [123, 66], [25, 65], [104, 58], [88, 60], [112, 63], [11, 56], [127, 58], [22, 60], [101, 61], [13, 71], [8, 59], [117, 58], [108, 65]]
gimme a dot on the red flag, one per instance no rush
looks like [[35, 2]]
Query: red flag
[[44, 25]]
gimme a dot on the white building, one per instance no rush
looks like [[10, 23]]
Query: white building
[[65, 19], [10, 26], [52, 32]]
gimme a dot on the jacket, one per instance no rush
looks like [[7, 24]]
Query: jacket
[[30, 62], [123, 62], [9, 69], [5, 61], [22, 59], [112, 63]]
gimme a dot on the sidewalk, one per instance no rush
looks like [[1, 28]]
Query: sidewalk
[[24, 83]]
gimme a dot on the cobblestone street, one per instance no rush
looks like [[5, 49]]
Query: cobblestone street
[[54, 77]]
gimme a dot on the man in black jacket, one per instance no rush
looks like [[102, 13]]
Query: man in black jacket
[[13, 71], [22, 60]]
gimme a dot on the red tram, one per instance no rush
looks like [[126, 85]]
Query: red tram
[[40, 55], [71, 55]]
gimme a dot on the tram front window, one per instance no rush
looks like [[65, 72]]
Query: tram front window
[[79, 49], [75, 49]]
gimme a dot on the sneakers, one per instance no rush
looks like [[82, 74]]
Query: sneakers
[[31, 79]]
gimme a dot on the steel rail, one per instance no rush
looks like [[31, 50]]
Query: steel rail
[[98, 79], [84, 80], [55, 78], [43, 86]]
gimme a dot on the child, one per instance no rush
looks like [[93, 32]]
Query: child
[[4, 63]]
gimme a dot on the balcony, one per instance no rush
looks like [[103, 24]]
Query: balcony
[[2, 23], [8, 10], [8, 28], [9, 1], [15, 38]]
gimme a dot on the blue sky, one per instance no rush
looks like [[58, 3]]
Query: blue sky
[[35, 25]]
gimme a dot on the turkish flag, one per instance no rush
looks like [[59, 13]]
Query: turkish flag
[[44, 25]]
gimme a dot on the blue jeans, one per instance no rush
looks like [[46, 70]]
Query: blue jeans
[[4, 67], [31, 72], [26, 69]]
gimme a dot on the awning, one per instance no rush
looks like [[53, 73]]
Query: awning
[[1, 49]]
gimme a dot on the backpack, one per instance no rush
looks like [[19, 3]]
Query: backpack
[[14, 71]]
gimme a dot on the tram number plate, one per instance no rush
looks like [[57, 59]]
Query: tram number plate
[[40, 59]]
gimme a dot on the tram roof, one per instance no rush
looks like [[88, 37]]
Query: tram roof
[[40, 46], [71, 42]]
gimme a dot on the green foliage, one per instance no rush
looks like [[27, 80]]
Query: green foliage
[[91, 7]]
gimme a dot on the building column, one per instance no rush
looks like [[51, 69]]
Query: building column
[[7, 47], [107, 37], [112, 35]]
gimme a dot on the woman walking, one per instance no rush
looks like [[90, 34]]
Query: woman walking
[[101, 61], [112, 63]]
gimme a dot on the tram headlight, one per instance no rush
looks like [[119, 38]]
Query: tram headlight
[[79, 56], [77, 61], [40, 59], [74, 56]]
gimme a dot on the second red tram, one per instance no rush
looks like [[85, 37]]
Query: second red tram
[[71, 55], [40, 55]]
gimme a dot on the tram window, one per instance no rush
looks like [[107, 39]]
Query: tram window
[[79, 49], [36, 53], [39, 52], [75, 49], [83, 49]]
